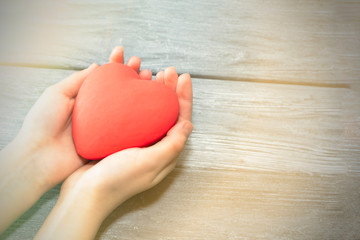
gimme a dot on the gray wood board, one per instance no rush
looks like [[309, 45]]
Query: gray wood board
[[220, 204], [307, 42], [270, 161]]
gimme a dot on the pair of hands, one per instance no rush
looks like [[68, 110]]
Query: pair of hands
[[47, 134]]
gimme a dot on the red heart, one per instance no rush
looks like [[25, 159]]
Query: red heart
[[115, 110]]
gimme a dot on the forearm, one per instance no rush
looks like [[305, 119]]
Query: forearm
[[76, 215], [21, 184]]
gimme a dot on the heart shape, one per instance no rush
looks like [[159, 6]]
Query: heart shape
[[115, 110]]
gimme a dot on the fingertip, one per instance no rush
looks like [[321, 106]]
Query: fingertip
[[185, 128], [188, 127], [171, 78], [134, 59], [117, 55], [182, 128], [118, 48], [160, 77], [145, 74], [92, 66], [177, 139], [134, 62], [184, 89], [170, 70], [185, 76], [171, 146]]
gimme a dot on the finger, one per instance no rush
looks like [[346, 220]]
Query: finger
[[185, 95], [160, 77], [70, 86], [171, 78], [117, 55], [166, 150], [134, 63], [145, 74]]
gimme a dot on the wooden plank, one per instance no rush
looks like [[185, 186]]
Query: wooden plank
[[266, 161], [20, 88], [233, 204], [240, 204], [247, 125], [275, 127], [303, 42]]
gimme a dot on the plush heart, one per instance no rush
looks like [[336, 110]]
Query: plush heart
[[115, 110]]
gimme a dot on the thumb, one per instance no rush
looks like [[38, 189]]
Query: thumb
[[70, 86], [170, 146]]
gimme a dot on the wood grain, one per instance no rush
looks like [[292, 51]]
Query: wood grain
[[306, 42], [240, 204], [266, 161]]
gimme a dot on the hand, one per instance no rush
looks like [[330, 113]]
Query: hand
[[97, 188], [43, 153], [128, 172], [47, 127]]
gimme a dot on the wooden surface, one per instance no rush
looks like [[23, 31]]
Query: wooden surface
[[275, 153], [309, 42]]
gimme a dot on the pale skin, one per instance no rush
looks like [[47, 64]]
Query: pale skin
[[43, 154]]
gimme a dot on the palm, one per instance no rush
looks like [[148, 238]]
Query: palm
[[47, 127], [50, 119], [111, 171]]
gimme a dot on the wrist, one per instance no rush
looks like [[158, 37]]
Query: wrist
[[77, 215], [20, 182], [19, 168], [26, 160], [86, 190]]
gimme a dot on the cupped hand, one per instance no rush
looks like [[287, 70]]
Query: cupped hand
[[121, 175], [95, 189], [46, 130]]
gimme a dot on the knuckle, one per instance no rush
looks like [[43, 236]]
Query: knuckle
[[176, 146]]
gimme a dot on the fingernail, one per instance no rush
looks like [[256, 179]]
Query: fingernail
[[159, 73], [118, 49], [186, 75], [170, 68], [188, 126]]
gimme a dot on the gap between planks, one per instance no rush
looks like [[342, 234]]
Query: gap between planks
[[199, 76]]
